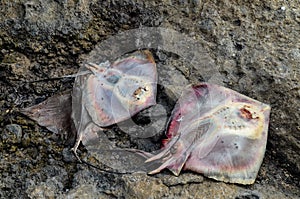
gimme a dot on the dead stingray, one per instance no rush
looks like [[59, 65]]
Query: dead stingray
[[103, 94], [215, 131]]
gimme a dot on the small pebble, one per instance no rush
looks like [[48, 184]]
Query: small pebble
[[12, 134], [68, 156]]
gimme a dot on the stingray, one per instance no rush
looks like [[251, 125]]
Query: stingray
[[103, 94], [214, 131]]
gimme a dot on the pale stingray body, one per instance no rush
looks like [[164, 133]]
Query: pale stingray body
[[215, 131], [103, 94]]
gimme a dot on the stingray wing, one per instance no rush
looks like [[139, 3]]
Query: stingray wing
[[218, 132], [115, 92]]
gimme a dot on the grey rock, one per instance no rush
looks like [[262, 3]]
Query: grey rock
[[251, 46], [12, 134]]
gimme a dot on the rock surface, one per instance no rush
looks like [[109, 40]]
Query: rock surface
[[254, 46]]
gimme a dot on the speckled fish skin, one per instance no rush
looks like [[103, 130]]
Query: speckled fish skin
[[112, 93], [217, 132]]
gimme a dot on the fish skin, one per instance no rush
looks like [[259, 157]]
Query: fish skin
[[103, 94], [215, 131]]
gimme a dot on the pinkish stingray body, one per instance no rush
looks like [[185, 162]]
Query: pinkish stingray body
[[113, 93], [103, 95], [215, 131]]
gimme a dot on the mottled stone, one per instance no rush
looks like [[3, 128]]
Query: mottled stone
[[143, 186], [12, 134], [183, 179], [252, 43]]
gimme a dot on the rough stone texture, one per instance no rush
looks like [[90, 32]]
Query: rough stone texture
[[255, 46]]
